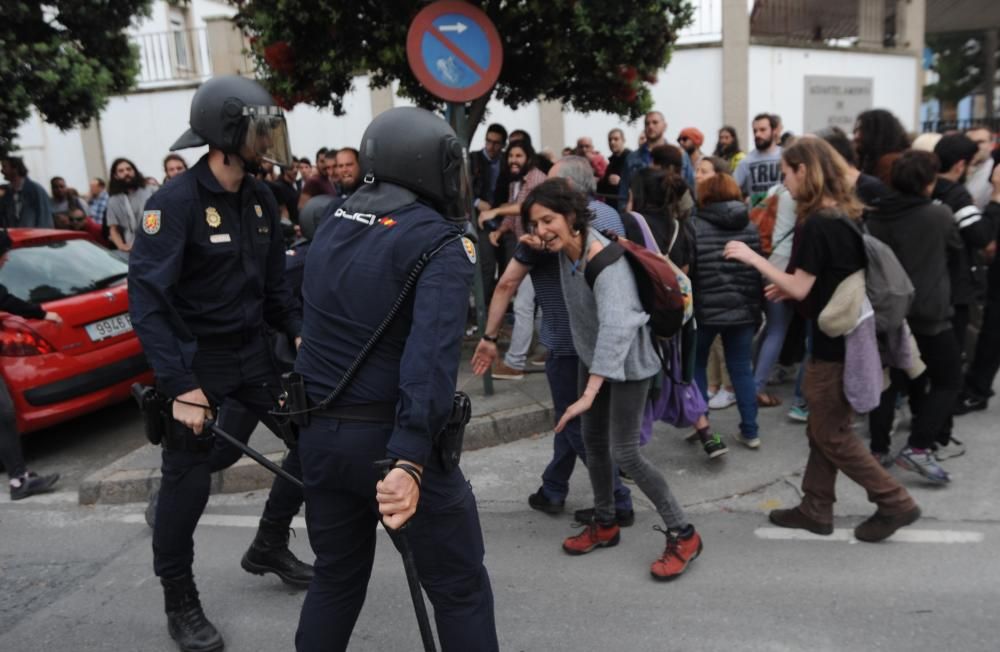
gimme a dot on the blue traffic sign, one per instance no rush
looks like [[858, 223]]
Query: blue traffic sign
[[454, 51]]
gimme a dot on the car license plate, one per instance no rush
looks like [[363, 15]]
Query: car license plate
[[110, 327]]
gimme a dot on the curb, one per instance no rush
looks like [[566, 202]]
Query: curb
[[121, 482]]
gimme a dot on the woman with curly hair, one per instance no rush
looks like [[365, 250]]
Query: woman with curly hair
[[618, 361]]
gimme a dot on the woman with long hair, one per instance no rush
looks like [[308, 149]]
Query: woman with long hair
[[173, 165], [829, 250], [879, 139], [618, 361], [728, 147], [660, 194], [128, 192]]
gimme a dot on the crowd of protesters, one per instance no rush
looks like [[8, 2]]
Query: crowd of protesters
[[771, 241]]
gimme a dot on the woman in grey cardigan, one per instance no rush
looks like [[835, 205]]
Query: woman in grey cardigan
[[617, 363]]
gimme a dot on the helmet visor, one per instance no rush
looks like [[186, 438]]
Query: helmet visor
[[267, 135], [458, 183]]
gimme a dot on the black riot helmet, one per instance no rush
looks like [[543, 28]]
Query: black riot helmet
[[417, 150], [236, 115]]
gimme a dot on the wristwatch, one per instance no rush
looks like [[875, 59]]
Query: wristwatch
[[492, 340]]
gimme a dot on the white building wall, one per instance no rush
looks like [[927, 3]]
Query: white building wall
[[142, 127], [49, 152], [776, 80]]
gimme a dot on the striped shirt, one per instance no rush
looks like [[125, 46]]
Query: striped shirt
[[555, 334]]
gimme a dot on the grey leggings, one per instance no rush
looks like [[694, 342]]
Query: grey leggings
[[611, 428]]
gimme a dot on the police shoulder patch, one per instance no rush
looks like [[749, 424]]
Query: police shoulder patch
[[470, 249], [151, 222]]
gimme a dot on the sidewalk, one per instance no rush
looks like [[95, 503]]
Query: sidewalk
[[517, 409]]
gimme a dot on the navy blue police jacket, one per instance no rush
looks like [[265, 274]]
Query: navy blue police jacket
[[355, 270], [206, 263]]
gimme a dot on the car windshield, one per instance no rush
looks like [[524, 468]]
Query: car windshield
[[60, 269]]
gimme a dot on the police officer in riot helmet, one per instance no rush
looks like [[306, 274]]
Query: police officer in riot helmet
[[205, 277], [411, 202]]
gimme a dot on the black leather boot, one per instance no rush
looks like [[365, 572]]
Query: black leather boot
[[186, 621], [269, 553]]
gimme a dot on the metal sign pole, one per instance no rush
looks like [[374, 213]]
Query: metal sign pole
[[457, 118]]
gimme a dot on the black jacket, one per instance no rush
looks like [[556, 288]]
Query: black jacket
[[968, 272], [925, 239], [992, 212], [726, 292], [13, 305]]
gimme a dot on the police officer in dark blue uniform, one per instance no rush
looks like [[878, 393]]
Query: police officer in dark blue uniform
[[402, 394], [206, 274]]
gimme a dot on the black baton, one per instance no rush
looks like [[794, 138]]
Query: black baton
[[410, 566], [255, 455]]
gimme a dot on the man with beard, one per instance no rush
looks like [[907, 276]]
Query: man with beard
[[607, 187], [524, 178], [347, 172], [128, 194], [761, 168], [691, 140], [655, 126]]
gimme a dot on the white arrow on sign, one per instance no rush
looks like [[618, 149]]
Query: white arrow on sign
[[458, 27]]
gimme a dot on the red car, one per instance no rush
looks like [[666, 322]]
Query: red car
[[56, 372]]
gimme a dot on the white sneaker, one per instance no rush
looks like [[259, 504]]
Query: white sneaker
[[722, 400]]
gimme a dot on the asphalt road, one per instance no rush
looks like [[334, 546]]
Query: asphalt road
[[80, 579]]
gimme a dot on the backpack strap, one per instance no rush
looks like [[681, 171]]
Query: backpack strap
[[605, 257], [632, 229]]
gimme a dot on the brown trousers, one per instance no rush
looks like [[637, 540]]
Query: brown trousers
[[834, 447]]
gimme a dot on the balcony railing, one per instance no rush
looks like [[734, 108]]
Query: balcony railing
[[823, 23], [168, 58], [706, 24]]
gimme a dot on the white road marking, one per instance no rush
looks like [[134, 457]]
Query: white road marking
[[847, 534]]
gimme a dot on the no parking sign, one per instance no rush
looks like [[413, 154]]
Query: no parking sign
[[454, 51]]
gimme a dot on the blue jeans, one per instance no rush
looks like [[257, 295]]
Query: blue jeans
[[737, 341], [779, 316], [567, 446]]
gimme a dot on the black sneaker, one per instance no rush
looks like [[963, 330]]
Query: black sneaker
[[538, 501], [969, 402], [714, 447], [624, 518], [30, 484]]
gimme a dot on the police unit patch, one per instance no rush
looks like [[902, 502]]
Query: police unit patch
[[212, 217], [470, 250], [151, 222]]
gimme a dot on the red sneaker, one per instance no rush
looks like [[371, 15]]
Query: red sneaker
[[593, 536], [677, 555]]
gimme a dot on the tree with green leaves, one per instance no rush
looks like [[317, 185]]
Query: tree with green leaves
[[65, 58], [958, 60], [592, 55]]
